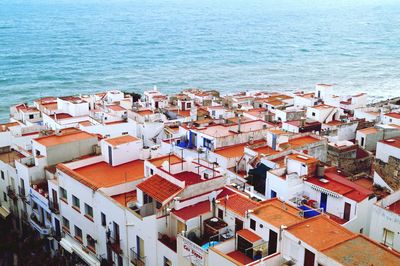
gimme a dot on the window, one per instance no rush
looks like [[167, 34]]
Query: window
[[158, 205], [2, 175], [388, 237], [313, 114], [88, 211], [76, 203], [31, 116], [124, 133], [37, 153], [253, 224], [78, 233], [4, 196], [48, 216], [103, 219], [147, 198], [91, 243], [65, 223], [362, 141], [63, 194]]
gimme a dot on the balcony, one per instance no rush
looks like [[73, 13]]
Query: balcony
[[167, 241], [114, 243], [136, 259], [39, 226], [11, 193], [248, 248], [53, 206]]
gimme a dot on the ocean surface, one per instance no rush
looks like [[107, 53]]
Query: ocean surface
[[72, 47]]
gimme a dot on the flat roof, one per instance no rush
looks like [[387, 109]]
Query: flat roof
[[193, 211], [302, 158], [276, 216], [362, 251], [248, 235], [64, 137], [395, 142], [301, 141], [189, 178], [224, 130], [125, 198], [104, 175], [173, 159], [320, 232], [120, 140], [11, 156]]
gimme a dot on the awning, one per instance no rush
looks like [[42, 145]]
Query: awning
[[4, 212], [71, 247], [66, 245], [85, 256]]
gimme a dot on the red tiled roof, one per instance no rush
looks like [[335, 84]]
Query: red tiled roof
[[239, 204], [159, 188], [192, 211]]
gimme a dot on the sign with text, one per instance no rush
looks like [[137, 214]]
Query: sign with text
[[193, 252]]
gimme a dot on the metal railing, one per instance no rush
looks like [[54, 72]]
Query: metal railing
[[136, 259], [11, 192], [115, 244]]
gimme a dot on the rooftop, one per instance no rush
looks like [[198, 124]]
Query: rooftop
[[395, 207], [10, 157], [238, 204], [159, 188], [120, 140], [125, 198], [362, 251], [277, 213], [320, 232], [64, 137], [189, 178], [342, 186], [104, 175], [193, 211], [393, 115], [172, 159], [248, 235], [395, 142]]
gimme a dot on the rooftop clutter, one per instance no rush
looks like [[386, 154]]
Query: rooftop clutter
[[247, 178]]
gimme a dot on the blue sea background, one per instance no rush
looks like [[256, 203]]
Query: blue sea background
[[73, 47]]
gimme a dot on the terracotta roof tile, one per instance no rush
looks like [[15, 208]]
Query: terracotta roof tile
[[159, 188]]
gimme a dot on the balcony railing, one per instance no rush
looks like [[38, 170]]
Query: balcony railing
[[54, 207], [136, 259], [115, 244], [11, 192], [39, 226]]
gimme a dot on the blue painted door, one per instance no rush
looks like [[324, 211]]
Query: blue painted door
[[323, 202]]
